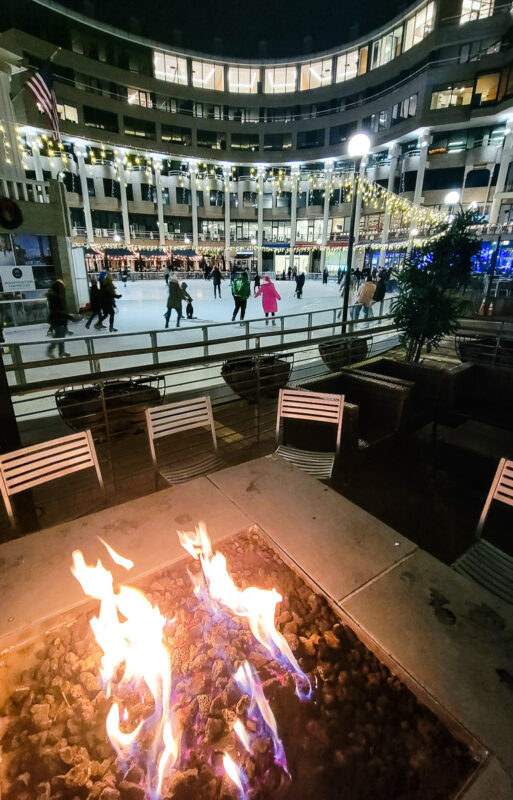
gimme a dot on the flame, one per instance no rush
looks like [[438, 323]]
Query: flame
[[243, 735], [123, 562], [234, 773], [257, 605], [136, 646], [247, 680]]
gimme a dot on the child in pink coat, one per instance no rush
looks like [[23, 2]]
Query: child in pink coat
[[269, 298]]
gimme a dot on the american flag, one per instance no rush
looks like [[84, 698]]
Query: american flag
[[41, 86]]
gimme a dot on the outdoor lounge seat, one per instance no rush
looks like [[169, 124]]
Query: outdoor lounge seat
[[23, 469], [173, 418], [311, 407], [485, 563]]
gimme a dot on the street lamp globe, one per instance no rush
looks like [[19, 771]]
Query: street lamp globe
[[451, 198], [358, 145]]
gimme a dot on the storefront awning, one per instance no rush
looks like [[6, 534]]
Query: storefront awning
[[117, 252], [185, 253], [146, 253], [277, 246]]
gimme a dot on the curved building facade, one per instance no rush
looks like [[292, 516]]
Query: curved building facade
[[160, 147]]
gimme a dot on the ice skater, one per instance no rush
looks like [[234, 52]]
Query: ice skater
[[269, 298], [95, 303], [241, 289], [108, 299], [58, 318], [300, 282], [174, 300], [216, 280]]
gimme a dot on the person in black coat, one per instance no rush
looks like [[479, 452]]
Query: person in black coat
[[58, 317], [381, 289], [95, 303], [300, 282]]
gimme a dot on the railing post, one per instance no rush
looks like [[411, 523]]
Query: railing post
[[282, 326], [18, 364], [334, 329], [309, 325], [205, 340], [154, 347], [90, 352], [246, 333], [257, 371]]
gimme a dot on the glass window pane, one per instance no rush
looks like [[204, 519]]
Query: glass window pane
[[170, 68], [243, 80], [206, 75], [317, 73], [488, 86]]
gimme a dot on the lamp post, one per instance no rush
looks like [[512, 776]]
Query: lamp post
[[451, 198], [358, 147]]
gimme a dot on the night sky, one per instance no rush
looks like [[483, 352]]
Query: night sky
[[242, 28]]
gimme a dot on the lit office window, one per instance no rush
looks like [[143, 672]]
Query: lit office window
[[243, 80], [317, 73], [138, 98], [170, 68], [487, 87], [419, 25], [68, 113], [449, 96], [387, 48], [347, 66], [280, 79], [206, 75], [475, 9]]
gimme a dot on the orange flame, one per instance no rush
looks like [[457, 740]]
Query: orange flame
[[234, 773], [136, 645], [257, 605]]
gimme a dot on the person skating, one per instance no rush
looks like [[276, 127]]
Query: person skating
[[108, 299], [216, 280], [58, 317], [124, 276], [241, 289], [300, 282], [289, 273], [325, 274], [257, 281], [269, 298], [189, 310], [174, 300], [95, 302], [365, 299], [381, 289], [339, 275]]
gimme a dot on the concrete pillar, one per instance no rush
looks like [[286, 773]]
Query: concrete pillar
[[326, 214], [260, 219], [36, 158], [293, 215], [12, 167], [393, 154], [424, 141], [227, 175], [194, 205], [506, 158], [363, 167], [160, 205], [85, 196], [124, 203]]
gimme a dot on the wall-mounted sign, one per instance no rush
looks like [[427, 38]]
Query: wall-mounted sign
[[17, 279]]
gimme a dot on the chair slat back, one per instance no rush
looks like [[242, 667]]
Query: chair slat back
[[30, 466], [312, 407], [501, 490], [181, 416]]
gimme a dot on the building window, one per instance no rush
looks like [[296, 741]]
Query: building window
[[378, 122], [139, 127], [418, 26], [138, 98], [405, 109], [317, 73], [267, 200], [472, 51], [111, 188], [213, 140], [475, 9], [206, 75], [97, 118], [280, 79], [67, 113], [170, 68], [347, 66], [148, 193], [216, 197], [243, 80], [387, 48], [451, 96], [183, 196], [177, 135], [341, 133], [249, 199], [277, 141], [487, 88], [245, 141], [283, 200], [307, 139]]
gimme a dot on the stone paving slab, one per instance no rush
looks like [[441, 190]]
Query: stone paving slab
[[338, 544], [35, 578], [492, 783], [454, 637]]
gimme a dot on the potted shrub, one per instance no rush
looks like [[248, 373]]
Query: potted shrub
[[249, 375], [342, 351]]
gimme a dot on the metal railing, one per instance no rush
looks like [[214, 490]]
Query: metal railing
[[30, 191]]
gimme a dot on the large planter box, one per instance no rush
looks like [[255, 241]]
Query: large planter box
[[252, 375], [485, 350]]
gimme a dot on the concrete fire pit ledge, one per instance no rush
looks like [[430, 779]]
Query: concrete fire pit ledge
[[434, 628]]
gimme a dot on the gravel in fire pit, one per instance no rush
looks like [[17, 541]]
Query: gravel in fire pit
[[362, 735]]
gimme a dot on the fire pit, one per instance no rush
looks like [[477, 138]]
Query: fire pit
[[200, 686]]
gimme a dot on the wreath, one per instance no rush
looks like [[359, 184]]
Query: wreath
[[10, 214]]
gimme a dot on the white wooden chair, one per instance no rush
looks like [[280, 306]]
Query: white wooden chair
[[175, 418], [312, 407], [483, 562], [31, 466]]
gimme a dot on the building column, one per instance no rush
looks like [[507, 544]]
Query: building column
[[326, 214], [36, 158], [124, 203], [12, 168], [226, 178], [393, 154], [160, 205], [363, 167], [293, 215], [194, 204], [260, 219], [506, 158], [85, 196]]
